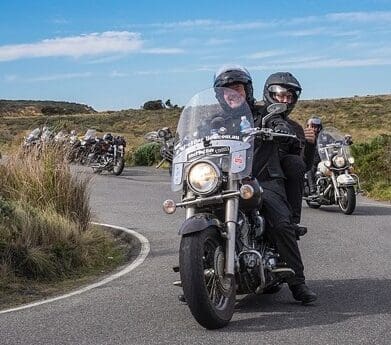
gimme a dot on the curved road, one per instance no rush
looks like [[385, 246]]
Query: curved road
[[347, 260]]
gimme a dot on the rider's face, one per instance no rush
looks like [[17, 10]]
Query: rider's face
[[284, 97], [235, 95]]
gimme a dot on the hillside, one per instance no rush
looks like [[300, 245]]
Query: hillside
[[20, 108]]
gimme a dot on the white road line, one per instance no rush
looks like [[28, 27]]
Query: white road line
[[145, 247]]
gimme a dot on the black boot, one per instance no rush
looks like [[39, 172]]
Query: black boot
[[302, 293]]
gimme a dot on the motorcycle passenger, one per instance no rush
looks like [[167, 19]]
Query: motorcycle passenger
[[315, 123], [295, 156], [267, 169]]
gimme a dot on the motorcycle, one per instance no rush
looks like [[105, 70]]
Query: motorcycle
[[165, 139], [83, 148], [225, 247], [33, 139], [108, 154], [334, 178]]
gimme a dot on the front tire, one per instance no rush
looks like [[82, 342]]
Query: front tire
[[119, 166], [209, 294], [347, 203]]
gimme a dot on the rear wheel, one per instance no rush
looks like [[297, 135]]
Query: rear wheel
[[347, 202], [209, 294]]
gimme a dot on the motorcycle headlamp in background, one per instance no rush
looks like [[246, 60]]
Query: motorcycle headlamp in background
[[339, 161], [351, 160], [203, 177]]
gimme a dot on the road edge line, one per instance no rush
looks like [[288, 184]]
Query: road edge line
[[144, 251]]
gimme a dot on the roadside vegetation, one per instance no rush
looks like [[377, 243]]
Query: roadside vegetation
[[363, 117], [373, 160], [46, 239]]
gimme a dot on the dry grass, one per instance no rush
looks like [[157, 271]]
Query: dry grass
[[44, 220]]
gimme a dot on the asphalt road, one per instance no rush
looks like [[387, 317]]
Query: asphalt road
[[347, 261]]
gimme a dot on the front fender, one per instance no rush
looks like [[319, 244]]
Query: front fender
[[345, 180], [199, 222]]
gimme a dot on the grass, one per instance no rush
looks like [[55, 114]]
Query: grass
[[45, 236]]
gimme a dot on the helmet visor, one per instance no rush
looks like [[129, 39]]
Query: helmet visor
[[283, 94]]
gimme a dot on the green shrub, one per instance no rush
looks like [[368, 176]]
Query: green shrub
[[373, 164], [147, 154]]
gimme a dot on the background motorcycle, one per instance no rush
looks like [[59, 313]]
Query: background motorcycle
[[335, 182], [165, 139], [108, 154], [225, 247]]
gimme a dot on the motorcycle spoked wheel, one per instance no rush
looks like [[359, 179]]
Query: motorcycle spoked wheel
[[119, 166], [347, 203], [209, 294]]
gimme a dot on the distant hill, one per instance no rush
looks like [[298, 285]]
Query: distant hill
[[21, 108]]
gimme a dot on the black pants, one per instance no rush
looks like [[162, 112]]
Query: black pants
[[294, 170], [277, 212]]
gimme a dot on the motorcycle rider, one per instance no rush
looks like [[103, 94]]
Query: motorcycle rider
[[295, 156], [267, 169], [315, 123]]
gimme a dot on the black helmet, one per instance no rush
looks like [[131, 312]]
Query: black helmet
[[281, 82], [316, 123], [234, 74], [108, 137]]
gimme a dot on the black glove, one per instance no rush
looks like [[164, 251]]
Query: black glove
[[282, 128]]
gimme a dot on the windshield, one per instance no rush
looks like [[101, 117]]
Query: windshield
[[90, 134], [330, 143], [34, 134], [213, 126]]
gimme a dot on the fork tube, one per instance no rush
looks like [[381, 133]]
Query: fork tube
[[231, 218]]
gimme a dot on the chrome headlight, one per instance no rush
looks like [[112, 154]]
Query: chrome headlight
[[203, 177], [339, 161]]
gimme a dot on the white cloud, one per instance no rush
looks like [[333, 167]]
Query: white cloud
[[264, 54], [217, 42], [52, 77], [75, 46], [163, 51], [376, 16]]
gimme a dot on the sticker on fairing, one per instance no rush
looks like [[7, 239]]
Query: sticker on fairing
[[215, 150], [238, 161], [178, 173]]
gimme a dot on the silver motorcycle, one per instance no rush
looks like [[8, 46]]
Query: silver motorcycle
[[335, 182], [226, 249]]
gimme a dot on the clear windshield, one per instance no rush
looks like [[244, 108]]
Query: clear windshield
[[34, 134], [90, 134], [213, 126], [330, 143]]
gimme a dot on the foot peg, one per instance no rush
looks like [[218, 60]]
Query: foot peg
[[177, 283]]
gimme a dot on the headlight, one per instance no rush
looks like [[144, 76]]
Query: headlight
[[203, 177], [351, 160], [339, 161]]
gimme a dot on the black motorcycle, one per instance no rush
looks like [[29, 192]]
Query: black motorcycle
[[226, 249], [165, 139], [108, 154]]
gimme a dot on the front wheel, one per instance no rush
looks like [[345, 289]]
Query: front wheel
[[119, 166], [347, 202], [209, 294]]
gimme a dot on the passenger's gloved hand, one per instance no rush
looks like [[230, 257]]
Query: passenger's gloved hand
[[282, 128]]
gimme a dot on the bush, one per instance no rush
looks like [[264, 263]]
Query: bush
[[44, 219], [373, 163], [147, 154]]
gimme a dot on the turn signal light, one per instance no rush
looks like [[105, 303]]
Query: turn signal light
[[169, 206], [246, 191]]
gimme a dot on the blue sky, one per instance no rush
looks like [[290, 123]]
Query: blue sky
[[118, 54]]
